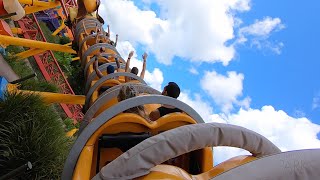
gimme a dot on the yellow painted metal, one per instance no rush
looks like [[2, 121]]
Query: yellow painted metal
[[68, 44], [207, 163], [59, 29], [16, 31], [12, 87], [35, 44], [116, 124], [161, 176], [83, 167], [163, 171], [75, 59], [48, 5], [32, 52], [28, 53], [71, 132], [107, 105], [34, 2], [225, 166], [86, 165], [110, 83], [49, 97], [90, 5], [148, 108], [123, 123], [106, 155]]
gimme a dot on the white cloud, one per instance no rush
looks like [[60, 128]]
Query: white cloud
[[194, 71], [263, 27], [225, 90], [124, 47], [196, 31], [258, 33], [197, 103], [299, 113], [245, 103], [129, 21], [267, 45], [154, 78], [286, 132], [316, 102]]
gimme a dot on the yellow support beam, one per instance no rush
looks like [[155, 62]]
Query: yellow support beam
[[44, 6], [8, 40], [16, 31], [71, 132], [59, 29], [32, 52], [34, 2], [50, 98], [75, 59], [68, 44], [28, 53]]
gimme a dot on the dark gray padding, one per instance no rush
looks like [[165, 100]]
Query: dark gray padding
[[89, 23], [96, 47], [91, 62], [157, 149], [87, 20], [111, 76], [92, 36], [93, 59], [140, 87], [93, 75], [112, 112], [113, 88], [105, 65], [294, 165], [88, 26], [119, 86], [106, 78], [107, 96]]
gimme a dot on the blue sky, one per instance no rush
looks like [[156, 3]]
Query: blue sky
[[287, 81], [260, 59], [294, 74]]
